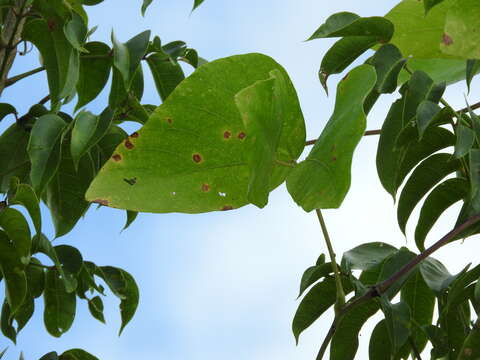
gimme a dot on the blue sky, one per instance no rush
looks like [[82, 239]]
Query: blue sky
[[223, 285]]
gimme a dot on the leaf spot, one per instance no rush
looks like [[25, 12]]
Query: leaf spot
[[52, 25], [334, 158], [169, 120], [174, 193], [117, 157], [227, 134], [205, 188], [241, 135], [101, 202], [197, 158], [227, 207], [128, 144], [447, 40], [134, 135], [131, 181]]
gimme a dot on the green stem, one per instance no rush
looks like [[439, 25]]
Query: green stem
[[338, 280]]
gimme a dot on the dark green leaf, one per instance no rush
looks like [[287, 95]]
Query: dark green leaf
[[313, 274], [460, 284], [35, 278], [95, 306], [473, 67], [77, 354], [323, 179], [165, 74], [24, 313], [421, 300], [397, 319], [131, 216], [6, 323], [439, 340], [423, 178], [44, 149], [380, 347], [197, 3], [6, 109], [441, 198], [25, 195], [426, 113], [50, 356], [124, 287], [388, 62], [94, 72], [366, 256], [16, 227], [145, 5], [65, 195], [121, 59], [436, 276], [60, 305], [14, 159]]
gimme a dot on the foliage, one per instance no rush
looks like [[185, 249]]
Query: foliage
[[225, 137]]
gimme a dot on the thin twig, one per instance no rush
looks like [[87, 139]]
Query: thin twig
[[338, 280], [44, 100], [14, 79], [382, 287]]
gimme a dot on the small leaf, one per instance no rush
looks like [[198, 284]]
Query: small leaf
[[426, 113], [131, 216], [44, 149], [76, 32], [77, 354], [25, 195], [124, 287], [313, 274], [436, 276], [423, 178], [318, 300], [323, 179], [388, 61], [50, 356], [6, 323], [473, 67], [441, 198], [366, 256], [14, 159], [397, 318], [94, 72], [465, 140], [95, 306], [60, 305], [165, 74], [6, 109], [197, 3], [121, 58], [16, 227], [35, 275], [145, 5]]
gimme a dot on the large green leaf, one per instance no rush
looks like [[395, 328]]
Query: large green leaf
[[388, 61], [379, 347], [59, 305], [460, 34], [417, 34], [77, 354], [471, 347], [94, 72], [192, 156], [323, 179], [424, 177], [366, 256], [44, 149], [441, 198]]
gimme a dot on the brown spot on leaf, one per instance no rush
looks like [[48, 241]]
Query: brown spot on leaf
[[169, 120], [447, 40], [52, 25], [128, 144], [467, 352], [197, 158], [134, 135], [117, 157], [227, 134], [227, 207], [242, 135], [101, 202], [205, 188], [334, 158]]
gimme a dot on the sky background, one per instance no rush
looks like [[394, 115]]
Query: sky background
[[223, 285]]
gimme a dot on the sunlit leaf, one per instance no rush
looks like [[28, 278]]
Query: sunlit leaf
[[23, 194]]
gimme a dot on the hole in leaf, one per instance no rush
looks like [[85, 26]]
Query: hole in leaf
[[222, 194]]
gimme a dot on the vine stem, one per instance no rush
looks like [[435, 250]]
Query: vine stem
[[381, 288], [340, 301]]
